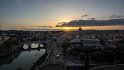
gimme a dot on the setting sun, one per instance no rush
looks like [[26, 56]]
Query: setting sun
[[67, 28]]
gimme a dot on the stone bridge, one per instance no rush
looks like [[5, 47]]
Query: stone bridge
[[39, 43]]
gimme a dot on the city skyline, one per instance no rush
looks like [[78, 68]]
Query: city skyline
[[46, 14]]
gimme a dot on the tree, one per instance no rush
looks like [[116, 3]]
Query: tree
[[8, 44]]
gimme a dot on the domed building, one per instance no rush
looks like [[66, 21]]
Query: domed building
[[80, 29]]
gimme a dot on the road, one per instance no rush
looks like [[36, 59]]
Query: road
[[56, 56]]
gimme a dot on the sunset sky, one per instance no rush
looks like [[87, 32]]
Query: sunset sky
[[19, 14]]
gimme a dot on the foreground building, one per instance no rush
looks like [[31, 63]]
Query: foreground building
[[82, 40]]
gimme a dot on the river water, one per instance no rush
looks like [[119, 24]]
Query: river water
[[21, 59]]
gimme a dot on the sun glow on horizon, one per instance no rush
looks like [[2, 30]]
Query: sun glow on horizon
[[66, 28]]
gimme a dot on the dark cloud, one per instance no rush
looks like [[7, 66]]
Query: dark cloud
[[117, 16], [84, 15], [45, 26], [92, 18], [93, 22], [36, 26]]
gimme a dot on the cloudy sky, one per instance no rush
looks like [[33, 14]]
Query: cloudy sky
[[35, 13]]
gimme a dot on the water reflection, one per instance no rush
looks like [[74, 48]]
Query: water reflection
[[21, 59]]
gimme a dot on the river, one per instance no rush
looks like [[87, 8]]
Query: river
[[21, 60]]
